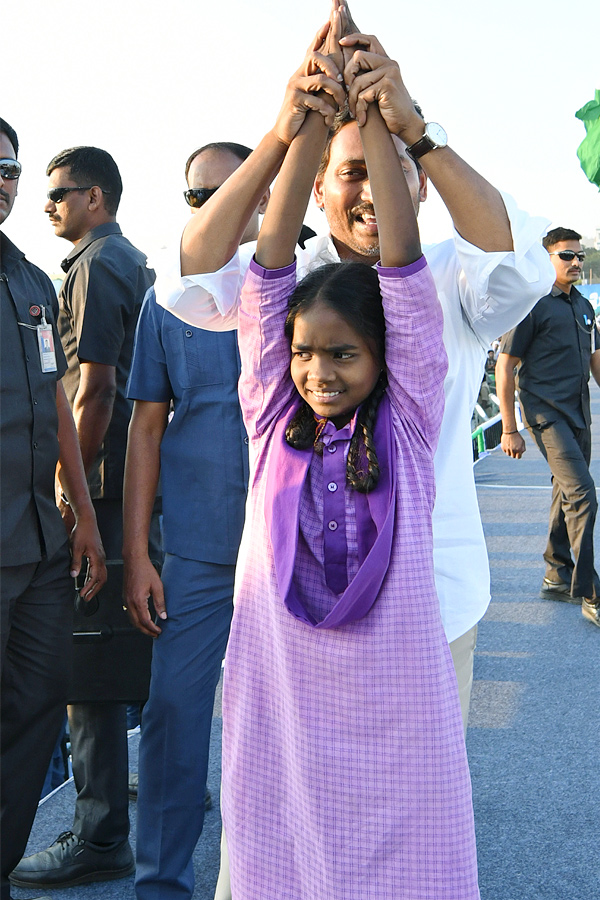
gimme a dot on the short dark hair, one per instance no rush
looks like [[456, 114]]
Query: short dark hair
[[344, 117], [351, 289], [560, 234], [240, 150], [11, 134], [90, 165]]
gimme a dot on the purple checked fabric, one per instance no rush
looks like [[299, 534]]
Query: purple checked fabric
[[345, 774]]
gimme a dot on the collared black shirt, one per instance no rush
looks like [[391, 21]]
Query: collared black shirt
[[554, 343], [100, 301], [31, 524]]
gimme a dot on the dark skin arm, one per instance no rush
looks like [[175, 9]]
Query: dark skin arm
[[142, 469], [289, 200], [512, 443], [92, 412], [83, 533], [228, 212], [476, 207]]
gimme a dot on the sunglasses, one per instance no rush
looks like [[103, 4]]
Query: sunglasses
[[568, 255], [10, 169], [57, 195], [197, 197]]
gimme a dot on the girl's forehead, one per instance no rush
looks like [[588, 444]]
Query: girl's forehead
[[322, 316]]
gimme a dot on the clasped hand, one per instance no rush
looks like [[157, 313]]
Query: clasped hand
[[343, 66]]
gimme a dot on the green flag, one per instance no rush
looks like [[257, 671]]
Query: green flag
[[589, 149]]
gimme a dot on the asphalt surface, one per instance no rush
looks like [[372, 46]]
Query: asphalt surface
[[534, 726]]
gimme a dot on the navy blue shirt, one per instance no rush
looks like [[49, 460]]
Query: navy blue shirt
[[204, 451]]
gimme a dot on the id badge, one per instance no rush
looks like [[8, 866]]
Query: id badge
[[46, 347]]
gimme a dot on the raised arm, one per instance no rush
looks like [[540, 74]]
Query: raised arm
[[394, 210], [285, 213], [228, 212], [476, 207]]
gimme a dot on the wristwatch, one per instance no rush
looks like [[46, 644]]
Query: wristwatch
[[434, 138]]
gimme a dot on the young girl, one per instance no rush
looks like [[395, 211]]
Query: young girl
[[344, 768]]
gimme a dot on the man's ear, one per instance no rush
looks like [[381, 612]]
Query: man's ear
[[318, 192], [264, 202], [96, 198], [422, 186]]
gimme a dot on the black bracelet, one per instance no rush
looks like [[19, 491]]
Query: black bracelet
[[511, 432]]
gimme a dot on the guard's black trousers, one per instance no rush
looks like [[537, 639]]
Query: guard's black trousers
[[36, 641], [569, 553]]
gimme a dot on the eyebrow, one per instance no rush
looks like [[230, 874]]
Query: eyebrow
[[335, 348]]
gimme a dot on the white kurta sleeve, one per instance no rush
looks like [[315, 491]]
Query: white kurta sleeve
[[210, 300], [497, 290]]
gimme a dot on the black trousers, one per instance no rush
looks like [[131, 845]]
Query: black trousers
[[99, 730], [36, 642], [569, 553]]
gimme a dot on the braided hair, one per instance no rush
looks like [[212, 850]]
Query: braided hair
[[351, 290]]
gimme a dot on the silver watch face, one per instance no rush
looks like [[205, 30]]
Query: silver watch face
[[436, 134]]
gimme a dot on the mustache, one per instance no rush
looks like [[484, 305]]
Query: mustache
[[362, 209]]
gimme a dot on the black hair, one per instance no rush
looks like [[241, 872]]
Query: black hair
[[560, 234], [344, 117], [240, 150], [352, 290], [11, 134], [90, 165]]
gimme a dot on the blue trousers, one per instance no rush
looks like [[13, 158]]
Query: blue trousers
[[176, 724]]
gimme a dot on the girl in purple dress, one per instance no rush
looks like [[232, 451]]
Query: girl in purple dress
[[344, 768]]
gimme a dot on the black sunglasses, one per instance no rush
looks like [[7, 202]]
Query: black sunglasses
[[57, 195], [568, 255], [197, 197], [10, 169]]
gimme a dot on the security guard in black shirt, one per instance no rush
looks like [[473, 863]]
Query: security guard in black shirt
[[555, 347], [37, 591]]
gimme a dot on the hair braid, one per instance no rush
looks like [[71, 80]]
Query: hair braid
[[362, 445], [301, 432]]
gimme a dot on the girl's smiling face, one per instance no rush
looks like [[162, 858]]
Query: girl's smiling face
[[333, 367]]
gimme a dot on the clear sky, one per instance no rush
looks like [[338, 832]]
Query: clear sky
[[150, 81]]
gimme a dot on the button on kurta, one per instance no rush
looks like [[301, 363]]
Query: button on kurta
[[332, 526], [332, 486], [332, 448]]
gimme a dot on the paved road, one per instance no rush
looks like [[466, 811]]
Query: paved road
[[534, 729]]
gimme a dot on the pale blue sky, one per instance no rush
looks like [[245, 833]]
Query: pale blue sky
[[151, 81]]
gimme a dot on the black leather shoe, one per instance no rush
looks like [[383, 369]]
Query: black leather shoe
[[590, 609], [558, 590], [133, 791], [71, 861]]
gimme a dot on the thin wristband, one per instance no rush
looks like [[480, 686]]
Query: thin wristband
[[511, 432], [64, 499]]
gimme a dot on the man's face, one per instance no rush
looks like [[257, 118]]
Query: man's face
[[8, 187], [210, 170], [567, 271], [344, 192], [71, 218]]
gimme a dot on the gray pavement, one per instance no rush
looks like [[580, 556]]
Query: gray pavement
[[533, 731]]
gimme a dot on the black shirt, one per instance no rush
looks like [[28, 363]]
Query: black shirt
[[554, 343], [31, 524], [100, 301]]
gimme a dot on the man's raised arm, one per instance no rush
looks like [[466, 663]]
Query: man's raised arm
[[476, 207], [212, 236]]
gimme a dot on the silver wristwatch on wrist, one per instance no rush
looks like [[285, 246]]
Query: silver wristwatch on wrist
[[434, 138]]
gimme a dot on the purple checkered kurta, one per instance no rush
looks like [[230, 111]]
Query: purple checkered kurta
[[344, 768]]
